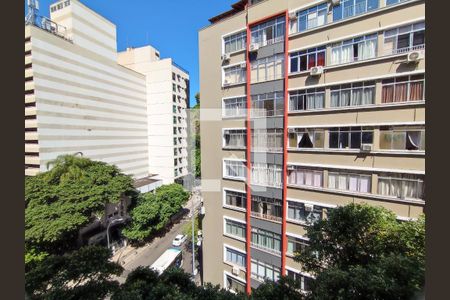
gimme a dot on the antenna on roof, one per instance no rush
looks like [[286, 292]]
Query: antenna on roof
[[33, 9]]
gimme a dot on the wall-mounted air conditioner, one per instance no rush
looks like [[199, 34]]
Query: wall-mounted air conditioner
[[366, 147], [415, 56], [316, 71], [254, 47]]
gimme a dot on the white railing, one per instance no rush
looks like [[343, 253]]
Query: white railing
[[273, 251], [405, 50], [265, 216]]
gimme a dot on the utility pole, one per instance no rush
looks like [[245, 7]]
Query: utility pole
[[193, 235]]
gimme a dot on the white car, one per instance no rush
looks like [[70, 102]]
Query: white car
[[179, 240]]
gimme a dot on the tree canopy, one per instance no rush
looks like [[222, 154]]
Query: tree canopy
[[364, 252]]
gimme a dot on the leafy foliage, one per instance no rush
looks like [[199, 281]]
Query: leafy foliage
[[187, 230], [82, 274], [63, 200], [284, 288], [364, 252], [153, 211]]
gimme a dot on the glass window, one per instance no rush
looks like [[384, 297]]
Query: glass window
[[306, 213], [267, 208], [300, 138], [350, 8], [306, 59], [349, 182], [295, 245], [235, 107], [235, 257], [355, 94], [404, 39], [235, 228], [401, 186], [402, 138], [266, 240], [234, 138], [267, 105], [267, 140], [234, 285], [235, 169], [269, 32], [305, 281], [267, 174], [355, 49], [312, 17], [300, 176], [234, 75], [269, 68], [235, 42], [236, 199], [307, 99], [350, 137], [402, 89]]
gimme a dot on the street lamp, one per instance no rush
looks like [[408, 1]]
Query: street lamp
[[109, 224]]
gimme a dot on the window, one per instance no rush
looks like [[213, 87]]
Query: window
[[295, 245], [269, 32], [300, 138], [235, 42], [402, 89], [267, 105], [267, 208], [174, 130], [300, 176], [269, 68], [349, 182], [306, 213], [267, 140], [235, 169], [404, 39], [402, 138], [401, 186], [234, 74], [350, 137], [305, 281], [174, 109], [234, 257], [312, 17], [361, 48], [306, 59], [174, 141], [175, 172], [234, 138], [175, 152], [174, 87], [350, 8], [174, 120], [262, 271], [234, 284], [175, 162], [235, 107], [173, 76], [174, 98], [390, 2], [235, 199], [307, 99], [266, 240], [354, 94], [235, 228], [266, 174]]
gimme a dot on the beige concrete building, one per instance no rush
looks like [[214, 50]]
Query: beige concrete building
[[321, 104]]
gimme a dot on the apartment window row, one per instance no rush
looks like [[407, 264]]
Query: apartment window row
[[266, 240], [234, 285], [235, 228], [393, 90], [267, 174], [234, 138], [350, 137], [235, 42], [269, 32], [269, 68], [404, 39], [235, 199], [305, 281], [235, 107], [235, 169], [295, 244], [235, 257], [300, 138], [267, 208], [234, 74], [305, 213], [390, 185], [268, 140], [312, 17], [306, 59], [262, 271], [355, 49], [402, 138], [267, 105]]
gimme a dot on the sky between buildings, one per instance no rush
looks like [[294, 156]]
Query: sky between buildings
[[171, 26]]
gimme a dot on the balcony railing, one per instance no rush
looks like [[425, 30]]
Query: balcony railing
[[405, 50], [265, 216], [270, 250]]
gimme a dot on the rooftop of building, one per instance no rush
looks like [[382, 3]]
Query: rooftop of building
[[235, 8], [145, 181]]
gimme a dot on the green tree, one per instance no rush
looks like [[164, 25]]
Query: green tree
[[285, 288], [197, 100], [364, 252], [82, 274], [60, 202], [187, 230], [152, 212]]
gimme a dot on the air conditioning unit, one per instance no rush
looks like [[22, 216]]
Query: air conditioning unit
[[226, 56], [335, 2], [309, 207], [415, 56], [254, 47], [235, 271], [366, 147], [202, 210], [315, 71], [292, 16]]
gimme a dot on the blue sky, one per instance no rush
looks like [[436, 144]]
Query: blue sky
[[170, 26]]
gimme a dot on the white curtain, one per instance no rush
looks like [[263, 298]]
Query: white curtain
[[345, 98], [347, 54], [414, 138], [357, 96], [342, 182], [318, 179], [308, 178], [320, 99], [310, 99], [332, 181], [364, 184], [335, 55], [335, 99], [367, 97], [300, 177], [353, 183]]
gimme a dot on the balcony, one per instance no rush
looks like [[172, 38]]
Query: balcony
[[404, 50], [269, 250], [265, 217]]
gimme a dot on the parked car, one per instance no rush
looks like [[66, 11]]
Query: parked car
[[179, 240]]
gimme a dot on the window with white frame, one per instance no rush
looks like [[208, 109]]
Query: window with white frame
[[234, 138], [235, 199], [350, 137], [305, 281], [235, 228], [306, 59], [268, 140], [235, 107], [312, 17], [306, 213], [234, 257], [403, 186], [267, 208], [269, 32], [295, 244], [266, 240], [300, 138], [267, 174], [404, 39], [352, 182], [235, 169], [402, 138], [301, 176], [390, 2], [267, 105], [356, 49], [268, 68], [308, 99], [235, 42], [353, 94], [234, 285], [262, 271], [349, 8], [402, 89], [234, 74]]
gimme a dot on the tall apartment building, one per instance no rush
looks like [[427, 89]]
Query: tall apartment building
[[322, 104], [167, 101]]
